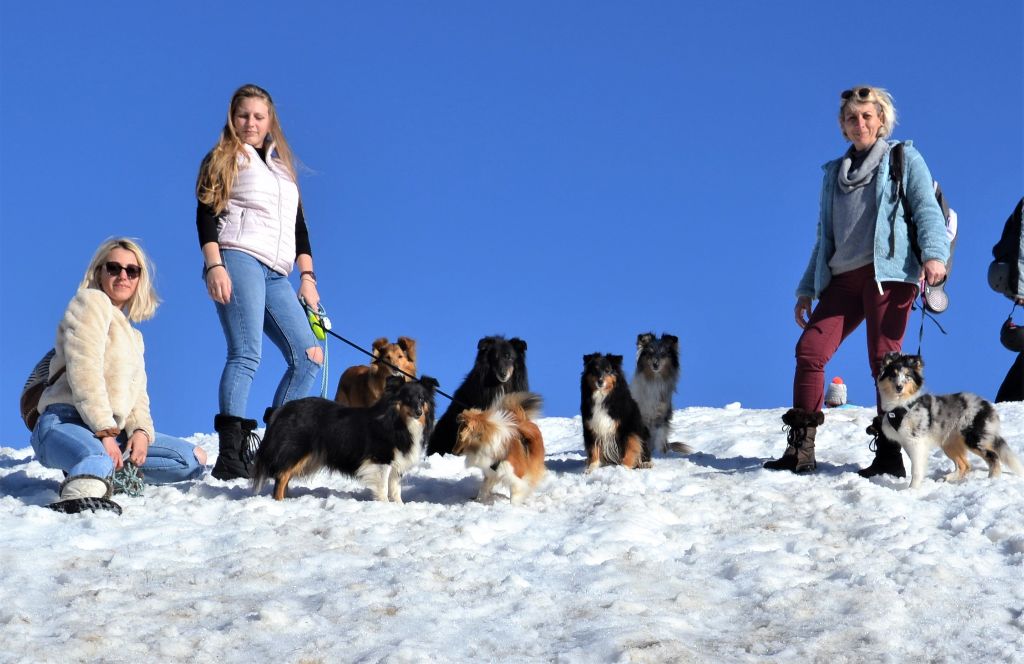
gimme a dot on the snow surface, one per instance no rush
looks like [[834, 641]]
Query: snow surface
[[705, 558]]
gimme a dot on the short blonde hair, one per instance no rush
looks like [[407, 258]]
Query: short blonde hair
[[864, 94], [142, 306]]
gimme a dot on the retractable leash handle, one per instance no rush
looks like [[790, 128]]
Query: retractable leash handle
[[321, 325]]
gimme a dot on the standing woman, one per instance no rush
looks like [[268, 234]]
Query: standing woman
[[252, 231], [96, 407], [862, 268]]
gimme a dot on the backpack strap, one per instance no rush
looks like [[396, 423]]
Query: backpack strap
[[896, 162]]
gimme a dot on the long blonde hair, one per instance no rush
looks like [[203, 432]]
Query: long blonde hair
[[142, 305], [219, 169]]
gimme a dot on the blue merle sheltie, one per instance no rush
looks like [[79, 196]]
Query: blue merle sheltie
[[955, 423], [376, 445], [613, 428], [657, 373]]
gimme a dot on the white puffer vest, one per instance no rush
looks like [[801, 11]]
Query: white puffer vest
[[260, 215]]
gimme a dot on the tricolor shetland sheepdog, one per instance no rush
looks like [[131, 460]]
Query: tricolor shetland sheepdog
[[955, 423], [362, 385], [499, 369], [657, 373], [613, 429], [505, 444], [376, 445]]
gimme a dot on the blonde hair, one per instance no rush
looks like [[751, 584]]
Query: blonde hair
[[865, 94], [142, 305], [219, 169]]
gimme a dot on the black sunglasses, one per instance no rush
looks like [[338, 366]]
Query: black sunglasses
[[862, 93], [114, 268]]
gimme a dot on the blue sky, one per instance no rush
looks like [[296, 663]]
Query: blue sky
[[572, 173]]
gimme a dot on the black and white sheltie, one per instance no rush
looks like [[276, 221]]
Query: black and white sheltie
[[955, 423], [613, 429], [499, 368], [376, 445], [657, 373]]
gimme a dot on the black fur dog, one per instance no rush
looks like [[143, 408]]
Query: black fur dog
[[376, 445], [500, 368], [613, 429], [657, 372]]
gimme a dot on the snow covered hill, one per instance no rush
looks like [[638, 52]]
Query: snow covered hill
[[705, 558]]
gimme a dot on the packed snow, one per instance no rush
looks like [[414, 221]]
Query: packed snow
[[703, 558]]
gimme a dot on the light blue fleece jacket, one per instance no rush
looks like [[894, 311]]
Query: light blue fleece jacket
[[894, 261]]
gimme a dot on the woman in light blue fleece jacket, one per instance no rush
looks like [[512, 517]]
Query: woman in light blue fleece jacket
[[862, 268]]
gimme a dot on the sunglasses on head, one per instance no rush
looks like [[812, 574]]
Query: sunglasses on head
[[862, 93], [114, 268]]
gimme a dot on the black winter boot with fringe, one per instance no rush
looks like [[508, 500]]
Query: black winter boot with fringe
[[237, 445], [888, 454], [801, 428]]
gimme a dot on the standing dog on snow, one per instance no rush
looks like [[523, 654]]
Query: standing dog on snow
[[376, 445], [362, 385], [955, 423], [657, 373], [505, 444], [613, 429], [499, 368]]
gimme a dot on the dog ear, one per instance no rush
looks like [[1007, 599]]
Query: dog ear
[[888, 359], [587, 359], [672, 340], [378, 347], [518, 344], [644, 339], [429, 382], [917, 362], [616, 361], [485, 343], [394, 383], [408, 344]]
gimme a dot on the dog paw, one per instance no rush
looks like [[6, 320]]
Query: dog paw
[[645, 465]]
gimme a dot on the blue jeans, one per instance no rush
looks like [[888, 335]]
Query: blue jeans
[[62, 441], [262, 301]]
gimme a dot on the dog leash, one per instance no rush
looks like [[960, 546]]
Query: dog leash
[[925, 314], [319, 322], [324, 324]]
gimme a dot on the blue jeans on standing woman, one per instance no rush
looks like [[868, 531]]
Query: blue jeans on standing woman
[[262, 301], [61, 440]]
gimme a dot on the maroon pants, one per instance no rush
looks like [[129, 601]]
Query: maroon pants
[[850, 298]]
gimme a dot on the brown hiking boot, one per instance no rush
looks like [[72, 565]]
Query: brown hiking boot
[[799, 454]]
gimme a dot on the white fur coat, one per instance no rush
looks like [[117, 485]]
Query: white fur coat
[[105, 378]]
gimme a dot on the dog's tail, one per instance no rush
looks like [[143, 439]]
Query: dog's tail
[[523, 405], [1007, 456]]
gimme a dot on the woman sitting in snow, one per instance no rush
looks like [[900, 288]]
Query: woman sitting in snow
[[862, 268], [95, 414]]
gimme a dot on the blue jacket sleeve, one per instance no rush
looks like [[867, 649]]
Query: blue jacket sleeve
[[931, 227]]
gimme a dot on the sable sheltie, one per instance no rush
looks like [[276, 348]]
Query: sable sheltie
[[376, 445], [955, 423], [613, 429], [499, 369], [657, 373], [505, 444], [362, 385]]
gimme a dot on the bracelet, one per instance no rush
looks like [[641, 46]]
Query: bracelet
[[207, 268], [311, 274]]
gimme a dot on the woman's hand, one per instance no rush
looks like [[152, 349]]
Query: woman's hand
[[802, 311], [308, 292], [113, 451], [138, 447], [218, 284], [934, 272]]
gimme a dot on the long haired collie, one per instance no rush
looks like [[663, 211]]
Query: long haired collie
[[657, 373], [376, 445], [505, 444], [499, 369], [955, 423], [613, 429], [362, 385]]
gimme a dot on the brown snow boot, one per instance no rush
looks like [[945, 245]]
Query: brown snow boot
[[802, 428]]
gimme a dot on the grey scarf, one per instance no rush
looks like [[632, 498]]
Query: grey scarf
[[857, 169]]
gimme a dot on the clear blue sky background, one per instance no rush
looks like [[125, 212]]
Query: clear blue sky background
[[572, 173]]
